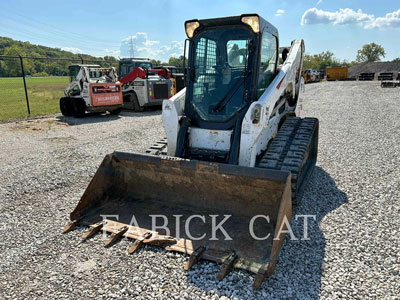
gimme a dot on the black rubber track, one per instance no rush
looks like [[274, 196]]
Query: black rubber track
[[158, 148], [294, 149]]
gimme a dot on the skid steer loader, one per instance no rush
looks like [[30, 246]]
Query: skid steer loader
[[143, 86], [91, 89], [235, 158]]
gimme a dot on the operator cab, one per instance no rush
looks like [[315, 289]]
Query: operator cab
[[231, 63], [127, 65], [173, 69], [73, 70]]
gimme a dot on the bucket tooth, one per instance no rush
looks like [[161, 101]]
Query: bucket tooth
[[194, 257], [71, 225], [115, 236], [95, 228], [139, 242], [226, 266], [261, 275]]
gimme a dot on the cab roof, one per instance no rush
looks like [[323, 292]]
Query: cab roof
[[237, 20], [135, 59], [88, 66]]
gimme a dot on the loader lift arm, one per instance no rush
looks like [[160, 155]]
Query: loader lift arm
[[140, 72]]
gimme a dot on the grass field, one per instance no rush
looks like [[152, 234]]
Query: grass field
[[43, 92]]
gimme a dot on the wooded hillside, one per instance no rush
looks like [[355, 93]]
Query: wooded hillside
[[41, 67]]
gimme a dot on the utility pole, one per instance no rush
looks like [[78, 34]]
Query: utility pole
[[131, 49], [26, 91]]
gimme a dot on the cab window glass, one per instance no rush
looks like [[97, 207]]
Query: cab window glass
[[125, 69], [146, 65], [73, 72], [268, 62], [236, 52], [219, 61]]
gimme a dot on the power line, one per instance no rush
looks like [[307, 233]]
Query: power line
[[50, 43], [59, 58], [52, 36], [48, 27]]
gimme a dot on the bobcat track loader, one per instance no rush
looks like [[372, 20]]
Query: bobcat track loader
[[143, 86], [92, 89], [236, 155]]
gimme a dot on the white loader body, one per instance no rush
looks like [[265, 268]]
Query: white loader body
[[254, 135]]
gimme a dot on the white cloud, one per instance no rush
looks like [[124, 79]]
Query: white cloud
[[350, 16], [72, 49], [343, 16], [144, 47], [115, 53], [279, 12], [390, 20], [151, 43], [319, 2]]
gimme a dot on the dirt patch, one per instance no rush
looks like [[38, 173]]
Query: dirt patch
[[38, 125]]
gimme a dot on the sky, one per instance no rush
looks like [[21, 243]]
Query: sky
[[156, 28]]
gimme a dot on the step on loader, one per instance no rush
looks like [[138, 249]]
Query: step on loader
[[236, 155]]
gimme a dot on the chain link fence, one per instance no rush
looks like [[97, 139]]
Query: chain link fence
[[26, 89], [12, 92]]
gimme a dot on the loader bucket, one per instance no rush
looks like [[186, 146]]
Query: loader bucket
[[128, 190]]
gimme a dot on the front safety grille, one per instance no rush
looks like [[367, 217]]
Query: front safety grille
[[160, 91]]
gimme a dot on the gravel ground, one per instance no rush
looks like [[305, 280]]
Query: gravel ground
[[354, 246]]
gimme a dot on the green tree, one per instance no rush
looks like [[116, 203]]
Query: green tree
[[177, 62], [370, 53], [352, 63], [13, 65], [310, 62], [56, 68], [320, 61], [3, 72], [111, 61], [396, 59], [110, 58], [156, 62], [33, 66]]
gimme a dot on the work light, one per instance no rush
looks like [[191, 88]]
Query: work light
[[253, 22], [191, 27]]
